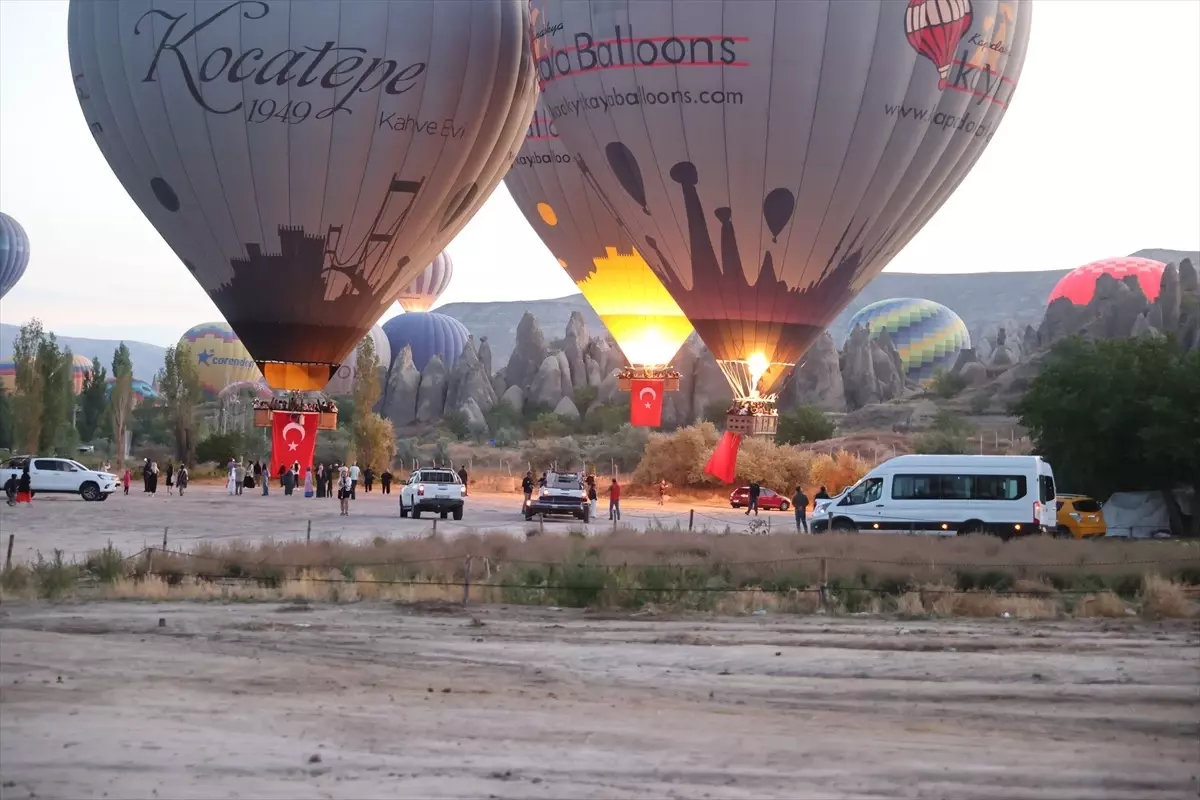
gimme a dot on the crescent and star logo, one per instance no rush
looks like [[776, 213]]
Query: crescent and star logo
[[642, 396], [299, 426]]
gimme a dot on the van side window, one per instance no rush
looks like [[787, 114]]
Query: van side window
[[869, 491], [958, 487], [1046, 485]]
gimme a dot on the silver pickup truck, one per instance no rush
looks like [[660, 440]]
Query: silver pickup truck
[[61, 476]]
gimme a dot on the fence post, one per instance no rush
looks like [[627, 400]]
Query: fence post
[[691, 518], [308, 533], [165, 537], [541, 524], [435, 526], [467, 582], [824, 582], [8, 555], [149, 561]]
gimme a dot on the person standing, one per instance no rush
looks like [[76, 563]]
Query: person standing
[[755, 491], [385, 481], [527, 486], [662, 491], [258, 471], [821, 494], [591, 494], [25, 485], [170, 476], [183, 478], [231, 482], [146, 476], [126, 479], [289, 482], [614, 500], [354, 472], [266, 477], [345, 490], [462, 476], [239, 474], [800, 504], [368, 478], [153, 477], [308, 482]]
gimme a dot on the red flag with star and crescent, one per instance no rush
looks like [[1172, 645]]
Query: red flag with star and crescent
[[645, 402], [293, 438]]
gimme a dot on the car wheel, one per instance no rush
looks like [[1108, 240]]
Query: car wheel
[[1062, 532], [529, 517], [843, 525], [972, 526], [735, 505], [102, 497], [444, 514], [90, 491], [403, 510], [416, 512], [784, 506], [458, 512]]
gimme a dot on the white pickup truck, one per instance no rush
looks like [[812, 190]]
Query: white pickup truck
[[429, 489], [61, 476]]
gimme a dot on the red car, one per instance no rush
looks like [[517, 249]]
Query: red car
[[767, 499]]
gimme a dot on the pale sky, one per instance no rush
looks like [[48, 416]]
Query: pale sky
[[1099, 155]]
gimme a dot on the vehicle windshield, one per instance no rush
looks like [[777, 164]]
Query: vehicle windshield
[[438, 476], [566, 481]]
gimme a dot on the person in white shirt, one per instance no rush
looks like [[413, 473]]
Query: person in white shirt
[[345, 487], [353, 480]]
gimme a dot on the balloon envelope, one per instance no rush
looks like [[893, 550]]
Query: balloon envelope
[[770, 158], [928, 335], [342, 382], [304, 160], [423, 292], [1079, 285], [220, 357], [14, 252], [592, 247], [429, 334]]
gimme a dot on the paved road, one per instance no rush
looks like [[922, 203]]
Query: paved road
[[209, 513]]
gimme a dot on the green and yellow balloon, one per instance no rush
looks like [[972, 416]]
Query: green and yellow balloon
[[928, 335]]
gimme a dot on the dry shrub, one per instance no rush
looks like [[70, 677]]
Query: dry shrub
[[910, 604], [1163, 599], [1104, 604], [944, 601], [793, 601], [782, 468], [678, 457], [837, 471]]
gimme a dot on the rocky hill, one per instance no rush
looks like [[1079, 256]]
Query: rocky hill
[[147, 358]]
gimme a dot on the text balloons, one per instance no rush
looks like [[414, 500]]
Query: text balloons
[[423, 292], [769, 158], [592, 247], [14, 252], [219, 356], [305, 160]]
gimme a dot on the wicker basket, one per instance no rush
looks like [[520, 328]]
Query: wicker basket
[[752, 424], [262, 417], [327, 421]]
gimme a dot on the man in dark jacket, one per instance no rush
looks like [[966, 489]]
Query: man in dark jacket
[[800, 504], [527, 485], [755, 491], [385, 481]]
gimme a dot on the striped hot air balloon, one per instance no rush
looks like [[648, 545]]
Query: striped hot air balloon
[[934, 28], [928, 335], [81, 367], [342, 382], [428, 334], [220, 357], [14, 252], [422, 293]]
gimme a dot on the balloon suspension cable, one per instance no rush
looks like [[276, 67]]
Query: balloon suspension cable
[[744, 377]]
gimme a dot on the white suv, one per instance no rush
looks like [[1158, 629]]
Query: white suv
[[430, 489], [61, 476]]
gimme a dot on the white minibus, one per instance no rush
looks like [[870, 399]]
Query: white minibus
[[947, 495]]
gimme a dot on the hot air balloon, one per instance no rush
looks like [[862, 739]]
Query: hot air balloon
[[422, 293], [783, 155], [304, 160], [257, 388], [342, 382], [927, 335], [1079, 285], [8, 375], [142, 391], [81, 367], [598, 254], [428, 334], [14, 252], [219, 356]]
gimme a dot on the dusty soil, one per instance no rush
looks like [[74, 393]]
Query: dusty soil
[[361, 701]]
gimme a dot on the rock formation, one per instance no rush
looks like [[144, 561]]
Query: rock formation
[[431, 397], [858, 370], [469, 381], [566, 408], [404, 382], [574, 344], [546, 388], [514, 396], [529, 353], [485, 355], [817, 381], [474, 415]]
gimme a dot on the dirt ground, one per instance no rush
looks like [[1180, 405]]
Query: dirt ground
[[381, 701]]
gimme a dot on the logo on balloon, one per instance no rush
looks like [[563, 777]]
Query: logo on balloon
[[935, 28], [346, 70], [626, 50]]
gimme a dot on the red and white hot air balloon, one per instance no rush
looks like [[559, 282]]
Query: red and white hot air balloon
[[934, 28]]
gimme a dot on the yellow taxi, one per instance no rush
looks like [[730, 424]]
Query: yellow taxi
[[1080, 516]]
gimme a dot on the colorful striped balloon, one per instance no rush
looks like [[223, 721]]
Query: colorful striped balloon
[[422, 293], [928, 335]]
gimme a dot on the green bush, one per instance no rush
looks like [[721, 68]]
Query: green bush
[[946, 384], [562, 453], [623, 448], [551, 424], [502, 415], [583, 397], [220, 448], [606, 418], [457, 424], [804, 425], [54, 578], [107, 565]]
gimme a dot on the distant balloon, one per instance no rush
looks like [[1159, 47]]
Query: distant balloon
[[14, 252], [220, 357], [81, 367], [928, 335], [342, 382], [805, 144], [423, 292], [142, 391], [592, 247], [1079, 285], [304, 160], [429, 334], [8, 375], [258, 388]]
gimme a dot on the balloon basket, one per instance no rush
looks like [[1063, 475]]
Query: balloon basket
[[667, 375], [763, 425], [327, 421], [262, 417]]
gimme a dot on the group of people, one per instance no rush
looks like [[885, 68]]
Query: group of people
[[800, 503], [174, 478], [18, 490], [296, 403], [336, 480], [589, 484], [745, 408]]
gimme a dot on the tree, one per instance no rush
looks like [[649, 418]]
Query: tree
[[805, 424], [92, 401], [366, 379], [221, 448], [179, 385], [373, 438], [375, 442], [1119, 415], [120, 399], [58, 395], [30, 387], [7, 424]]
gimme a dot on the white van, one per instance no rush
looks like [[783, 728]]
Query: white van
[[947, 495]]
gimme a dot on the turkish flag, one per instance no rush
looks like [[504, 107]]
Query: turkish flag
[[723, 464], [293, 438], [646, 399]]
